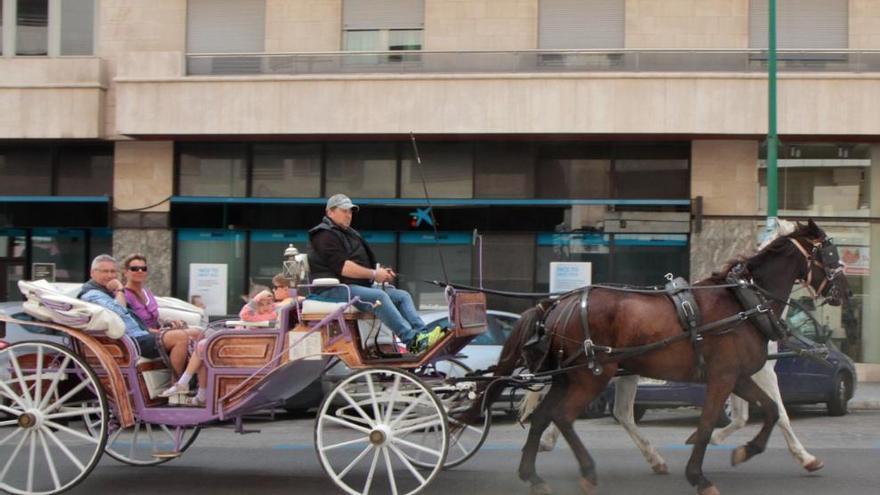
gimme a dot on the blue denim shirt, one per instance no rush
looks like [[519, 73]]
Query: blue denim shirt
[[132, 327]]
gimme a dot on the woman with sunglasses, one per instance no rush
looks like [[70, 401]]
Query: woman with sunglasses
[[142, 303]]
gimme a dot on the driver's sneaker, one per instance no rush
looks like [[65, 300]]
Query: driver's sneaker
[[425, 340]]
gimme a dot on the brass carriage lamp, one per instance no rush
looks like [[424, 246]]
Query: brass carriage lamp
[[296, 265]]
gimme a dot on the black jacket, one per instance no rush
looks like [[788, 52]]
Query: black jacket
[[332, 246]]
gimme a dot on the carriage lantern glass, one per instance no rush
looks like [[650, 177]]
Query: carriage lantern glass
[[295, 264]]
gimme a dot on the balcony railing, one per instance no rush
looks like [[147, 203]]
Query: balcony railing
[[533, 61]]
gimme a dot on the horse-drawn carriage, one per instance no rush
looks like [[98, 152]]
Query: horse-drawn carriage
[[385, 428]]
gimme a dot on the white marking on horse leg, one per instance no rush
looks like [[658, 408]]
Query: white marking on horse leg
[[624, 400], [739, 416], [766, 379]]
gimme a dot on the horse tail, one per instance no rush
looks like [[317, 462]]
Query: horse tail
[[511, 358]]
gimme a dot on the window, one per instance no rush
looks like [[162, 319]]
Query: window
[[656, 179], [820, 179], [223, 251], [292, 170], [225, 26], [419, 260], [448, 170], [267, 253], [26, 170], [504, 170], [77, 19], [508, 264], [564, 24], [32, 28], [47, 27], [66, 249], [576, 247], [573, 178], [212, 170], [643, 259], [382, 25], [85, 171], [362, 170], [801, 24]]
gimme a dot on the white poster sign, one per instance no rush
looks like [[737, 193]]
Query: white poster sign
[[208, 280], [856, 260], [566, 275]]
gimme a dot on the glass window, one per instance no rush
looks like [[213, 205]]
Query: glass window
[[448, 170], [573, 178], [818, 179], [66, 249], [204, 256], [362, 170], [100, 242], [419, 260], [32, 28], [287, 170], [85, 171], [12, 243], [508, 263], [574, 247], [212, 169], [26, 170], [504, 170], [77, 27], [384, 246], [643, 259], [267, 253], [656, 179]]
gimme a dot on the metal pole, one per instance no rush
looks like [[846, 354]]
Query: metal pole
[[772, 136]]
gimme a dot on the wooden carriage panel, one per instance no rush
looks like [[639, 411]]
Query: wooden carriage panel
[[333, 341], [469, 314], [115, 347], [242, 351], [142, 384], [226, 384]]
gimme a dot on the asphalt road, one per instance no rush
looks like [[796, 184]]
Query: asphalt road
[[281, 459]]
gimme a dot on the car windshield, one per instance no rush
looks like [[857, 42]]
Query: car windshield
[[803, 322]]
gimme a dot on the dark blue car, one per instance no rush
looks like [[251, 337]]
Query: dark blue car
[[802, 380]]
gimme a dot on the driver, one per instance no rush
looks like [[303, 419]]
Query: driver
[[339, 251]]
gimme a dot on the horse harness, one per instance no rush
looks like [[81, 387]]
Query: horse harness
[[751, 297]]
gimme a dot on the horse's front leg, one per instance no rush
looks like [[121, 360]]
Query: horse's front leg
[[747, 389], [739, 416], [625, 389], [717, 391]]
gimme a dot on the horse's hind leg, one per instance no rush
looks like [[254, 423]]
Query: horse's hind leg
[[625, 389], [749, 390], [541, 418]]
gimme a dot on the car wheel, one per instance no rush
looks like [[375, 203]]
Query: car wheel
[[837, 405]]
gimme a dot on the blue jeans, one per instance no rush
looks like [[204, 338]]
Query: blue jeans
[[397, 310]]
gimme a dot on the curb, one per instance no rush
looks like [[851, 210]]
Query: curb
[[864, 405]]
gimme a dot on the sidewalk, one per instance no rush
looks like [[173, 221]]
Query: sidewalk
[[867, 397]]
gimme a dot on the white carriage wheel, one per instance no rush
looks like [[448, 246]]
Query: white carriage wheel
[[46, 447], [464, 439], [362, 445], [144, 444]]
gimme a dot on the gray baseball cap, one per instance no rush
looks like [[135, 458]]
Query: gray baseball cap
[[341, 201]]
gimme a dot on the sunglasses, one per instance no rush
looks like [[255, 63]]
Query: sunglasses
[[279, 287], [137, 268]]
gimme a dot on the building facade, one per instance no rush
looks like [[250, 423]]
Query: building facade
[[626, 133]]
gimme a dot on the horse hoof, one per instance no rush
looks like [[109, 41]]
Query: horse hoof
[[709, 490], [814, 465], [587, 486], [691, 439], [541, 488], [660, 468], [738, 456]]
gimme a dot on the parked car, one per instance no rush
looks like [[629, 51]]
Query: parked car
[[802, 380]]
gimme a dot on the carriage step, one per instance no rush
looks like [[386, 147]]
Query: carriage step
[[166, 454]]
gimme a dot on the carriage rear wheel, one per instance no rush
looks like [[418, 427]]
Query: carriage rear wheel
[[365, 446], [45, 446], [464, 439]]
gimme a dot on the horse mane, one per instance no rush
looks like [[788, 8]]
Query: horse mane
[[779, 244]]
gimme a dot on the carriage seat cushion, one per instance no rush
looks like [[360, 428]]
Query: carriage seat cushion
[[316, 306], [44, 302]]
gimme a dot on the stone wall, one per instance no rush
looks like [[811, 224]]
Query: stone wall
[[155, 244], [720, 241]]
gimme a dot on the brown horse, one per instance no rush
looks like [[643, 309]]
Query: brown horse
[[620, 319]]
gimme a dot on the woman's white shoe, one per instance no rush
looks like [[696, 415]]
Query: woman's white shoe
[[175, 390]]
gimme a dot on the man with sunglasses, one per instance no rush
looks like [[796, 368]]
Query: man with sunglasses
[[338, 251]]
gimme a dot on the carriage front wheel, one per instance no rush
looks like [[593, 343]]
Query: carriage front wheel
[[45, 446], [363, 433]]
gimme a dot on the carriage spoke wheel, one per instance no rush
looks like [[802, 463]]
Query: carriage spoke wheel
[[464, 439], [45, 446], [145, 444], [365, 446]]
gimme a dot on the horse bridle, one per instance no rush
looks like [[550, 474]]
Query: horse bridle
[[823, 254]]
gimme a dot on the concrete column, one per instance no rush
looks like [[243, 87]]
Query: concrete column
[[871, 288], [725, 174], [143, 176]]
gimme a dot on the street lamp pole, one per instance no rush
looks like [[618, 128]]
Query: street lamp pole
[[772, 136]]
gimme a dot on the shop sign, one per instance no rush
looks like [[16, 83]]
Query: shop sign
[[209, 281], [856, 259], [570, 275]]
